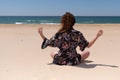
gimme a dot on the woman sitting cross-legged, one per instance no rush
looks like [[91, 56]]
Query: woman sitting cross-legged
[[67, 39]]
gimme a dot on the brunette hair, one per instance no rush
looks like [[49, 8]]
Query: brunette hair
[[67, 21]]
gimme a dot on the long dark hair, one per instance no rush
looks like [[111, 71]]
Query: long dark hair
[[67, 21]]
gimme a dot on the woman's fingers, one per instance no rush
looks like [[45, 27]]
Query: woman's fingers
[[100, 32], [40, 30]]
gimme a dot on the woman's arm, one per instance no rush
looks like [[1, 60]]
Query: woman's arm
[[100, 32], [40, 31], [52, 42]]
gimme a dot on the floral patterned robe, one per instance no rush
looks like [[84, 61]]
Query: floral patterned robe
[[67, 44]]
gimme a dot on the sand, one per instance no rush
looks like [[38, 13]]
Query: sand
[[21, 57]]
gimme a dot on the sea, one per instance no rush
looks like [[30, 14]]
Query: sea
[[56, 19]]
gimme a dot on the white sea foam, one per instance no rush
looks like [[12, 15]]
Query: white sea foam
[[18, 23], [49, 23], [29, 20]]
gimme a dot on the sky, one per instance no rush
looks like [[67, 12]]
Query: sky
[[59, 7]]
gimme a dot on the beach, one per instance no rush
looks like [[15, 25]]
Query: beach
[[21, 56]]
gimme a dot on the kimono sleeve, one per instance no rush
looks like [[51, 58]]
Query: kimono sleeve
[[50, 42], [83, 43]]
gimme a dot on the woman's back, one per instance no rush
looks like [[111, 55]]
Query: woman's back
[[67, 43], [67, 39]]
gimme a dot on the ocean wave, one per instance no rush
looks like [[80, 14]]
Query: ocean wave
[[49, 23], [33, 23], [19, 23]]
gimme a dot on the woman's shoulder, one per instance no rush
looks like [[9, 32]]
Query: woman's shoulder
[[58, 34], [76, 31]]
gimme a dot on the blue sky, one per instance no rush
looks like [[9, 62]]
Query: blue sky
[[59, 7]]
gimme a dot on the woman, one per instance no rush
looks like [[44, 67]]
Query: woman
[[67, 39]]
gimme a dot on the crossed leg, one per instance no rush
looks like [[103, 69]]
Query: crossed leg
[[53, 54], [84, 55]]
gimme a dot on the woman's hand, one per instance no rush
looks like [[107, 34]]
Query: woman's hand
[[40, 31], [100, 32]]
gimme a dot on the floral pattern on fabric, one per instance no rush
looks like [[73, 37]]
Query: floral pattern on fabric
[[67, 44]]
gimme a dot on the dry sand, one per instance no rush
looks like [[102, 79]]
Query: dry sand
[[21, 57]]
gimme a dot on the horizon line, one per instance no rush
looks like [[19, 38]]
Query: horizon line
[[61, 15]]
